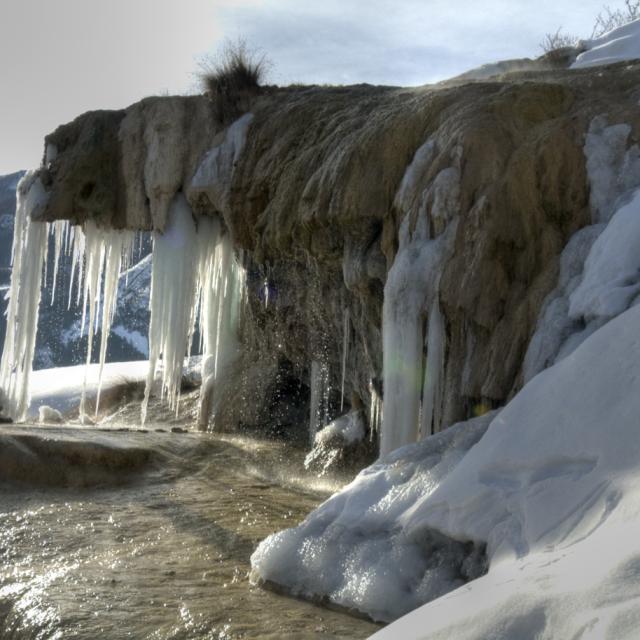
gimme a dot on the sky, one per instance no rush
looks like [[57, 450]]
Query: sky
[[60, 58]]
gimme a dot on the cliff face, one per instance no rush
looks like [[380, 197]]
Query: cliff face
[[314, 185]]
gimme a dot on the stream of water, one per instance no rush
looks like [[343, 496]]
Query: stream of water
[[159, 552]]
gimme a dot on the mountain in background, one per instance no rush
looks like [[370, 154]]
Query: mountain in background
[[59, 341]]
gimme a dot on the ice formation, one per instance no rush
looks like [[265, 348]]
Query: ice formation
[[220, 291], [599, 269], [172, 300], [196, 279], [431, 408], [621, 43], [346, 328], [410, 291], [29, 254], [319, 403], [107, 254]]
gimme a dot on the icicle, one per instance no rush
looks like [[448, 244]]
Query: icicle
[[346, 325], [411, 285], [221, 290], [172, 300], [29, 254], [375, 412], [106, 255], [430, 420], [60, 230], [319, 401]]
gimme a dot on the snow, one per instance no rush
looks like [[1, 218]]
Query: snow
[[622, 43], [598, 271], [348, 428], [611, 277], [551, 489], [133, 337], [61, 388], [354, 548]]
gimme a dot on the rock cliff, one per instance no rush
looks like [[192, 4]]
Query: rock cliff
[[313, 187]]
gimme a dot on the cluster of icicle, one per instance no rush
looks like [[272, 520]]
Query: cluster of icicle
[[196, 280], [98, 258], [28, 256], [413, 328]]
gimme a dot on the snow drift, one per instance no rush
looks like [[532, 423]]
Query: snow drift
[[622, 43]]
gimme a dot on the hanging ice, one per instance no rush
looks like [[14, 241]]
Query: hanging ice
[[107, 254], [195, 277], [411, 289], [319, 402], [28, 257], [346, 326], [431, 409], [220, 286], [172, 300]]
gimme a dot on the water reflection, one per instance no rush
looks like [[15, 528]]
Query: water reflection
[[164, 555]]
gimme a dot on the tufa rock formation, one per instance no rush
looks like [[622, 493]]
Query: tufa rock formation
[[315, 195]]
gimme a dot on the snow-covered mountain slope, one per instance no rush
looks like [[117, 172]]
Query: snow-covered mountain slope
[[619, 44], [59, 341]]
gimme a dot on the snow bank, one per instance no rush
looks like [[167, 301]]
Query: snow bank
[[355, 548], [622, 43], [551, 489], [61, 388]]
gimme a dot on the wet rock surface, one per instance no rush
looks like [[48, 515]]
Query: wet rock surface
[[316, 197]]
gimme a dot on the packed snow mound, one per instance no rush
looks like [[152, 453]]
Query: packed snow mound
[[622, 43], [553, 488], [355, 550]]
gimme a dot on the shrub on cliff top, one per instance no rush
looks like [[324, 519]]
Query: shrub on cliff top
[[233, 77]]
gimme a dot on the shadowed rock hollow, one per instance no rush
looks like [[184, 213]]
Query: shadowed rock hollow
[[315, 197]]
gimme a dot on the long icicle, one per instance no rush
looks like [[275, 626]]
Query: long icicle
[[29, 253]]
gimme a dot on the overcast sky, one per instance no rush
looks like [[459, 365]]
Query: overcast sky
[[59, 58]]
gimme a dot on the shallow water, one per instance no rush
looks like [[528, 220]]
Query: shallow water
[[160, 552]]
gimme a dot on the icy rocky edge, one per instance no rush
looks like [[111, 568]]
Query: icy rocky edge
[[202, 287], [550, 472]]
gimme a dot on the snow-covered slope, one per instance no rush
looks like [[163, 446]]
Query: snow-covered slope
[[622, 43], [544, 498]]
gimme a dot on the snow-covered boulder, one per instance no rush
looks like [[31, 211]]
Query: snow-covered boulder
[[49, 415], [355, 548], [339, 444]]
